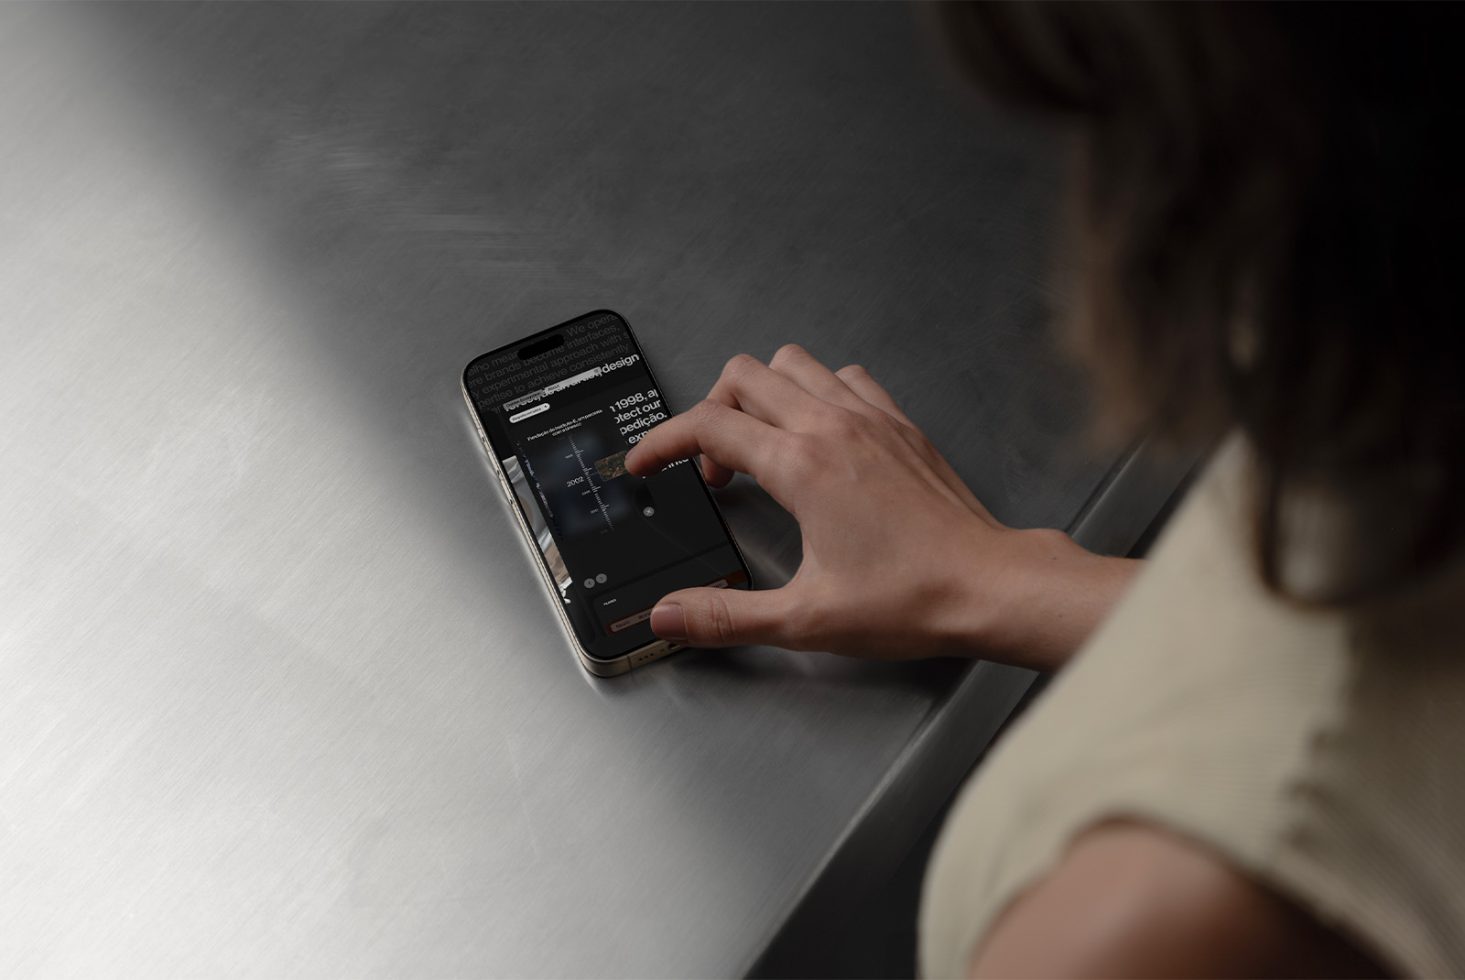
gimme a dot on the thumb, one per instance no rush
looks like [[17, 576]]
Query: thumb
[[721, 617]]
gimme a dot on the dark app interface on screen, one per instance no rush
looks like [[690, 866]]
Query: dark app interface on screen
[[561, 410]]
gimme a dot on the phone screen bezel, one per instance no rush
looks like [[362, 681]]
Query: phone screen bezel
[[498, 452]]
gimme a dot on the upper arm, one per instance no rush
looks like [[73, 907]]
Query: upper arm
[[1131, 900]]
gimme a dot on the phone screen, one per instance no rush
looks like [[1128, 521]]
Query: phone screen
[[560, 409]]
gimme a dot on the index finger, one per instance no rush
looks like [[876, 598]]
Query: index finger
[[725, 435]]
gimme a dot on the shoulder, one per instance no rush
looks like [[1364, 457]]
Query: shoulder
[[1131, 899]]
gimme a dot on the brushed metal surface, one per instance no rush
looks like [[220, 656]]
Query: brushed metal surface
[[279, 690]]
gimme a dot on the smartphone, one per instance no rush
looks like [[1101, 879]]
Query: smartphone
[[556, 413]]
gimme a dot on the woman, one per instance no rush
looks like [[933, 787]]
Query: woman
[[1253, 764]]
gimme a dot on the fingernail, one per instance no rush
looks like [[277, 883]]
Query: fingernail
[[669, 621]]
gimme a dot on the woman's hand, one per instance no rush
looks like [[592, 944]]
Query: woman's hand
[[901, 559]]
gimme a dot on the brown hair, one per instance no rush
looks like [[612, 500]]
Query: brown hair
[[1268, 207]]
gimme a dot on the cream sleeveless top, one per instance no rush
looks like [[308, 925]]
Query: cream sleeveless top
[[1323, 753]]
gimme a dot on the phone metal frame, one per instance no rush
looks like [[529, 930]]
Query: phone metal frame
[[655, 650]]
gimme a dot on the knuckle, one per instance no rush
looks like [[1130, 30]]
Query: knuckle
[[703, 412], [706, 410], [717, 621], [738, 366], [789, 352], [707, 415]]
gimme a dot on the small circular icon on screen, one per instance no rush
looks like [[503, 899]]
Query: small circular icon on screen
[[648, 511], [600, 578]]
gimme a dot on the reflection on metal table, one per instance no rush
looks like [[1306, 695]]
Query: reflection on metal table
[[279, 690]]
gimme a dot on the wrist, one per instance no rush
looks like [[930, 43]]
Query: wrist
[[1045, 597]]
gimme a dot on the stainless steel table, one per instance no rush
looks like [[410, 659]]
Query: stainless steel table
[[278, 692]]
